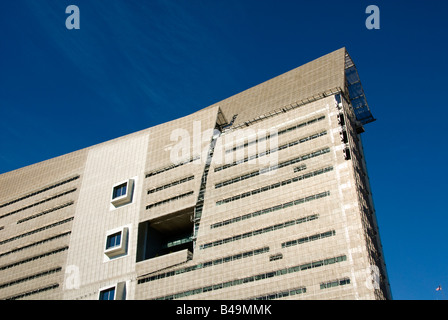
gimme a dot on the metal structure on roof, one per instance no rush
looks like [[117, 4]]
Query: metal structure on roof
[[356, 92]]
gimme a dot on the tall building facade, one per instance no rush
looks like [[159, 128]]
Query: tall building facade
[[264, 195]]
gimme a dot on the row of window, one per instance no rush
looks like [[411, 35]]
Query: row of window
[[45, 212], [46, 254], [275, 185], [35, 291], [210, 263], [177, 242], [284, 146], [171, 184], [156, 204], [36, 243], [40, 191], [34, 276], [262, 276], [335, 283], [38, 203], [259, 231], [278, 166], [36, 230], [153, 173], [308, 239], [289, 129], [282, 294], [302, 167], [276, 257], [271, 209]]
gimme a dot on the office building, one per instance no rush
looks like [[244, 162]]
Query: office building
[[264, 195]]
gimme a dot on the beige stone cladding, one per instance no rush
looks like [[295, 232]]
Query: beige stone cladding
[[300, 84], [97, 218], [37, 208], [177, 150], [263, 195], [337, 218]]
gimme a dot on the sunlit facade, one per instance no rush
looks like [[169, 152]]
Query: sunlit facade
[[263, 195]]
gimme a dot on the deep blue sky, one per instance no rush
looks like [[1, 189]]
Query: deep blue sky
[[134, 64]]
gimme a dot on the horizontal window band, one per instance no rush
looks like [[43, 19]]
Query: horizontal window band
[[279, 166], [271, 209], [170, 167], [32, 292], [37, 230], [259, 231], [40, 191], [308, 239], [45, 212], [282, 294], [258, 277], [335, 283], [206, 264], [39, 203], [156, 204], [282, 147], [171, 184], [36, 243], [294, 127], [34, 276], [275, 185], [46, 254]]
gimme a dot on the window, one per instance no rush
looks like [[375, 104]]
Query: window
[[335, 283], [280, 165], [117, 292], [119, 190], [113, 240], [122, 192], [259, 231], [108, 294], [266, 188], [275, 257], [159, 203], [260, 277], [116, 242]]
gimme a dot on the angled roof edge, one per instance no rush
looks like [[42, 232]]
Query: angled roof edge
[[308, 80], [320, 77]]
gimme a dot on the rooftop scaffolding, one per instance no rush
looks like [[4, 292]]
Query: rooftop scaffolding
[[356, 92]]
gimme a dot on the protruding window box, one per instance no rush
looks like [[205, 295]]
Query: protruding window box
[[116, 243], [122, 192]]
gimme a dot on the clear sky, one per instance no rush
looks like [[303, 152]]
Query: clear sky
[[135, 64]]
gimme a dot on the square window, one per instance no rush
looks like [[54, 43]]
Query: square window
[[117, 292], [113, 240], [122, 192], [108, 294], [119, 190], [116, 242]]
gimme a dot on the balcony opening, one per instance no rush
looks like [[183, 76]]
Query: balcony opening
[[168, 234]]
